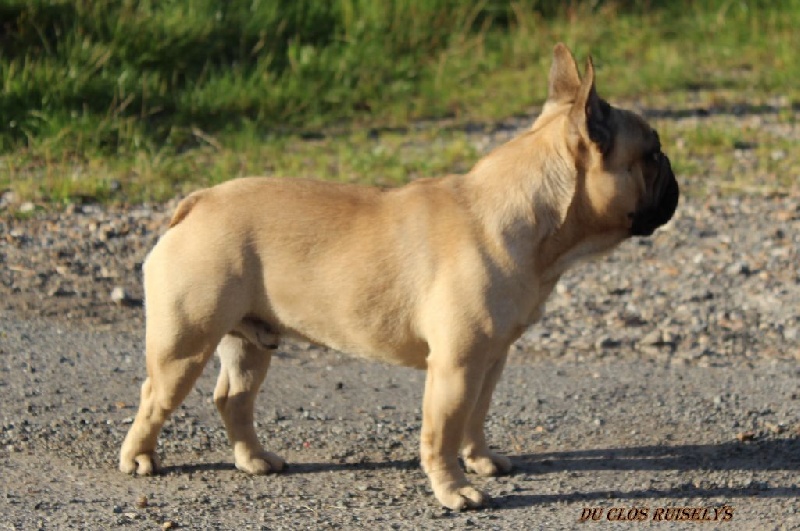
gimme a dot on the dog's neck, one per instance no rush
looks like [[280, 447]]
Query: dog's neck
[[520, 192], [523, 195]]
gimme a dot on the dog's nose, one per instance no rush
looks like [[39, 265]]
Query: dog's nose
[[661, 203]]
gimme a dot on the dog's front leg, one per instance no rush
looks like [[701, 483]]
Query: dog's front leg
[[477, 456], [452, 388]]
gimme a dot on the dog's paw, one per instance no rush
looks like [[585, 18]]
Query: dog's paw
[[145, 464], [260, 463], [452, 489], [461, 498], [491, 464]]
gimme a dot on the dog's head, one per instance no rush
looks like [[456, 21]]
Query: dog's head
[[624, 182]]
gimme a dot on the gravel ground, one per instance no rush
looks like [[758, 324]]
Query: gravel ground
[[612, 432], [664, 375]]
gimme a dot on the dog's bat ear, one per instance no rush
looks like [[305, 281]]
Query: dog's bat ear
[[591, 113], [564, 81]]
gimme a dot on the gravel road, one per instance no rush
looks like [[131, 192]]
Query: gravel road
[[663, 376]]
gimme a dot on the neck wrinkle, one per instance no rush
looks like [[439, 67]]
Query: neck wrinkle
[[520, 197]]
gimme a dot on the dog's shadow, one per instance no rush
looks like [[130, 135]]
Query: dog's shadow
[[765, 455], [295, 468]]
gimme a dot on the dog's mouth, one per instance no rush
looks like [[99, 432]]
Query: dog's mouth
[[660, 203]]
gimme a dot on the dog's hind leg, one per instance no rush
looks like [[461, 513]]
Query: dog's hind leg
[[477, 456], [244, 367], [173, 365]]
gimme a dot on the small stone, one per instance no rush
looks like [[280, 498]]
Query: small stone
[[670, 339], [7, 197], [119, 295], [775, 428], [607, 343], [745, 436], [786, 215], [168, 525], [61, 291], [27, 207], [141, 502], [653, 338], [740, 268]]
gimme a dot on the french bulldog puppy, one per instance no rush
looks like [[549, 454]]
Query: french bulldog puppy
[[441, 274]]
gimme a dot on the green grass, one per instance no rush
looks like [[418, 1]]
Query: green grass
[[723, 156], [131, 101]]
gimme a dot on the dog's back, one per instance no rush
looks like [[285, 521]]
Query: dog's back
[[333, 263], [185, 206]]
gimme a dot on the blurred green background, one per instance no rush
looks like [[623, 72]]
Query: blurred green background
[[138, 100]]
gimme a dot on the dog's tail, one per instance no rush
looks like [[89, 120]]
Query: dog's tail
[[184, 207]]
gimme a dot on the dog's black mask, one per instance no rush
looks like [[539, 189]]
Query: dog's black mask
[[662, 200]]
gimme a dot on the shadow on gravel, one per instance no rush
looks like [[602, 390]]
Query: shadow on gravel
[[780, 454], [519, 501], [194, 468], [299, 468], [737, 110], [766, 455], [395, 464], [777, 454]]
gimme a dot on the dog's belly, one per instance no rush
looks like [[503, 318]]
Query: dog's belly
[[406, 352], [356, 298], [385, 336]]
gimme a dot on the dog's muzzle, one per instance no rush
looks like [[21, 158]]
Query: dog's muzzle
[[661, 201]]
